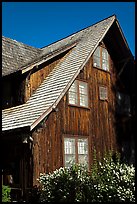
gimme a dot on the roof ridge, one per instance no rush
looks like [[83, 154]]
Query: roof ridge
[[79, 31]]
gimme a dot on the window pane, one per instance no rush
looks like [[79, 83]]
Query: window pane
[[96, 58], [82, 87], [83, 94], [97, 52], [73, 87], [69, 144], [83, 159], [103, 95], [82, 146], [104, 54], [96, 61], [73, 98], [73, 95], [69, 160], [83, 151], [83, 100], [69, 150], [105, 64]]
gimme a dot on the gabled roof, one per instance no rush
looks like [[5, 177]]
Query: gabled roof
[[54, 87]]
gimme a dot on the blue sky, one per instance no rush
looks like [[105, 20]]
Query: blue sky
[[41, 23]]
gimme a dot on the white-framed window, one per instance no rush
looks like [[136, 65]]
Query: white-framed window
[[78, 93], [103, 93], [101, 58], [75, 150]]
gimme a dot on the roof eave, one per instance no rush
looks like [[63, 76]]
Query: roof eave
[[45, 59]]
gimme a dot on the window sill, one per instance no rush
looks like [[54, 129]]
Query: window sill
[[101, 69], [76, 106]]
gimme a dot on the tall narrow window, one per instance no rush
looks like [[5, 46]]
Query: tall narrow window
[[105, 65], [82, 151], [101, 58], [96, 58], [78, 94], [73, 94], [69, 149], [75, 151]]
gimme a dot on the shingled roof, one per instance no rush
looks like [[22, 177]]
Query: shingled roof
[[15, 54], [54, 87]]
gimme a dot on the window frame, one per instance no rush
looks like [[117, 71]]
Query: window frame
[[76, 137], [101, 47], [100, 97], [77, 81]]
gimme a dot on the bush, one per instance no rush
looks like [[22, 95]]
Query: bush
[[115, 180], [63, 184], [108, 180], [6, 193]]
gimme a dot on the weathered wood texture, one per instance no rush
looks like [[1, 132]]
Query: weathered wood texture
[[34, 79], [97, 122]]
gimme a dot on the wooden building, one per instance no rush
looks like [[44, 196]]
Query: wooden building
[[63, 101]]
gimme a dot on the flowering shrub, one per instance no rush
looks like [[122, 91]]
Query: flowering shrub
[[115, 180], [107, 181], [63, 184]]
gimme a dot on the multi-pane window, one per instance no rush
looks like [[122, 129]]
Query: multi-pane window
[[78, 94], [75, 151], [101, 58], [103, 93]]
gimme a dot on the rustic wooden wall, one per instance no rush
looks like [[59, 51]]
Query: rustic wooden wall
[[97, 122], [36, 77]]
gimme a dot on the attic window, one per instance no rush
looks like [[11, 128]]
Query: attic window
[[78, 94], [103, 93], [101, 58]]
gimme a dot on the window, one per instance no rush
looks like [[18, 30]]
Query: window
[[78, 94], [75, 151], [101, 58], [103, 93]]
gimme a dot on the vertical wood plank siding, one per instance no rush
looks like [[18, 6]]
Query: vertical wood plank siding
[[36, 78], [97, 122]]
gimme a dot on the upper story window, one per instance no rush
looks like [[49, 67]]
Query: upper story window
[[78, 94], [75, 150], [103, 93], [101, 58]]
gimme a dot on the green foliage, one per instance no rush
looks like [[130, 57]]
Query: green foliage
[[108, 180], [6, 193], [115, 180]]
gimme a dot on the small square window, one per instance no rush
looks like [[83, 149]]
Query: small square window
[[103, 93]]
